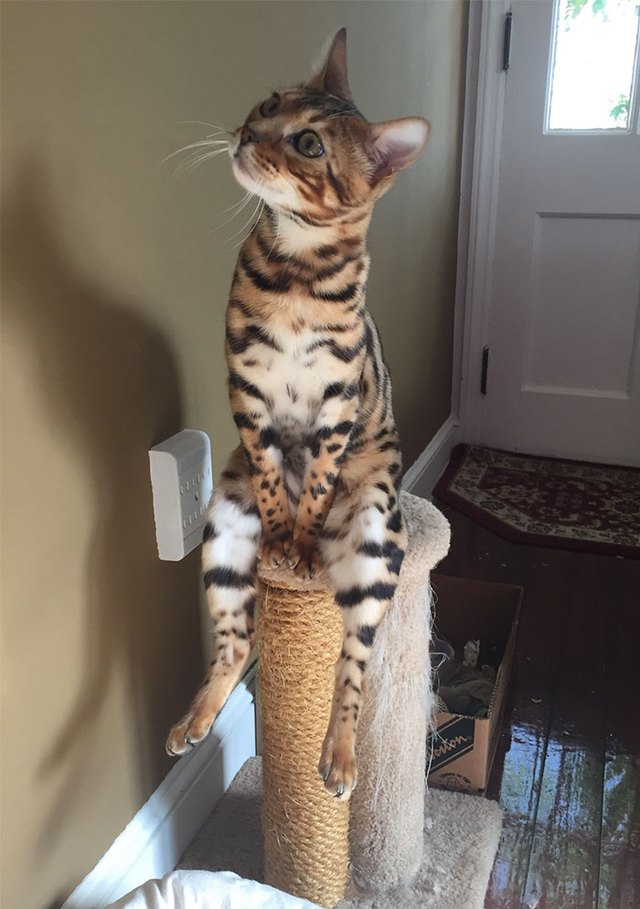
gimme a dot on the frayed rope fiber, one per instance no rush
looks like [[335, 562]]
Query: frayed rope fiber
[[305, 830]]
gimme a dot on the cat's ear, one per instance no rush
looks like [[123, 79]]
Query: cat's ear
[[331, 76], [397, 144]]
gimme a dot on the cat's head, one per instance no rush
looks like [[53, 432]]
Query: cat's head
[[309, 150]]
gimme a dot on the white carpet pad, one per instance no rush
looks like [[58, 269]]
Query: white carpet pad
[[461, 840]]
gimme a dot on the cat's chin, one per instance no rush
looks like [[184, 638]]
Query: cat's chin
[[245, 175]]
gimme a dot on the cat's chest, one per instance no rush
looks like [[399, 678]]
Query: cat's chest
[[294, 376]]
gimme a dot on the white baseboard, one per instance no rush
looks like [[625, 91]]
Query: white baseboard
[[425, 472], [152, 843]]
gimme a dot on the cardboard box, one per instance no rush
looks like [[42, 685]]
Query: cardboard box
[[460, 752]]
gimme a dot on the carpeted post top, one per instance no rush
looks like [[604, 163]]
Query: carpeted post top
[[429, 534], [429, 538]]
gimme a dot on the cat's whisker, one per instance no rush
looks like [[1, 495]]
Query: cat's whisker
[[218, 133], [197, 158], [203, 143], [256, 210], [240, 206], [241, 202], [193, 159], [257, 220], [202, 155], [247, 222], [256, 214], [208, 141], [214, 126]]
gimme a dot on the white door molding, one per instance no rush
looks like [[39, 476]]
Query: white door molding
[[482, 140]]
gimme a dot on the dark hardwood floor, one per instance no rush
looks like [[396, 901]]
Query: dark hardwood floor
[[567, 771]]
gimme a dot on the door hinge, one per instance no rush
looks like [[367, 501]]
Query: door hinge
[[506, 42], [485, 370]]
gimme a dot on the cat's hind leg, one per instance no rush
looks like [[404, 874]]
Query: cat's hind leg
[[229, 555], [363, 545]]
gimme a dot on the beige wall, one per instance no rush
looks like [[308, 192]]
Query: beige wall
[[113, 291]]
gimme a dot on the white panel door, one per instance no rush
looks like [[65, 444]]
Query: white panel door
[[564, 320]]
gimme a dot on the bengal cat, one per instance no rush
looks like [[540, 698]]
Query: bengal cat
[[315, 481]]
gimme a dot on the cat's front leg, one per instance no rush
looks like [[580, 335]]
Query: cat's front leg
[[261, 444], [229, 549], [326, 451], [363, 543]]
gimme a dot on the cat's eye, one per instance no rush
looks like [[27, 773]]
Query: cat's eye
[[308, 144], [270, 106]]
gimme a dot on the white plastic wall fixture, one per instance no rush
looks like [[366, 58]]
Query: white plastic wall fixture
[[182, 484]]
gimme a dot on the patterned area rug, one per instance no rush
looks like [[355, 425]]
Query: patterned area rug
[[546, 502]]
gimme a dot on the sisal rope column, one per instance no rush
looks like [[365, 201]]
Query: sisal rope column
[[305, 830], [387, 805]]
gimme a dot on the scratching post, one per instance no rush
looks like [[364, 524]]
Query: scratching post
[[387, 805], [307, 838], [305, 830]]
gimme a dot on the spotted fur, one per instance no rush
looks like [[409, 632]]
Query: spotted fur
[[315, 480]]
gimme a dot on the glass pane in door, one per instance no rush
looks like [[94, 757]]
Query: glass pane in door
[[593, 61]]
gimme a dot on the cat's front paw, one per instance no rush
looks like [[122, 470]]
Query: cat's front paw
[[189, 732], [305, 559], [273, 550], [338, 768]]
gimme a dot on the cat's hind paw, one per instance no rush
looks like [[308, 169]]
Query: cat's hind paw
[[273, 551], [305, 561], [338, 770], [188, 733]]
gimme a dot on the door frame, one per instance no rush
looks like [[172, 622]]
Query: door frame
[[485, 89]]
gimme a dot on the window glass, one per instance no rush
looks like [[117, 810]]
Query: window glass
[[593, 63]]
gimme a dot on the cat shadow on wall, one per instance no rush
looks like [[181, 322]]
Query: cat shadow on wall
[[109, 390]]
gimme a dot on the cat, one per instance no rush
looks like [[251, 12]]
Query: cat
[[315, 482]]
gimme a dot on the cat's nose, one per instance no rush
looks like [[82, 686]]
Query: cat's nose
[[249, 134]]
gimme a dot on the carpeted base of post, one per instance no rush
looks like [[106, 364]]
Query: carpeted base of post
[[387, 805], [305, 831]]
